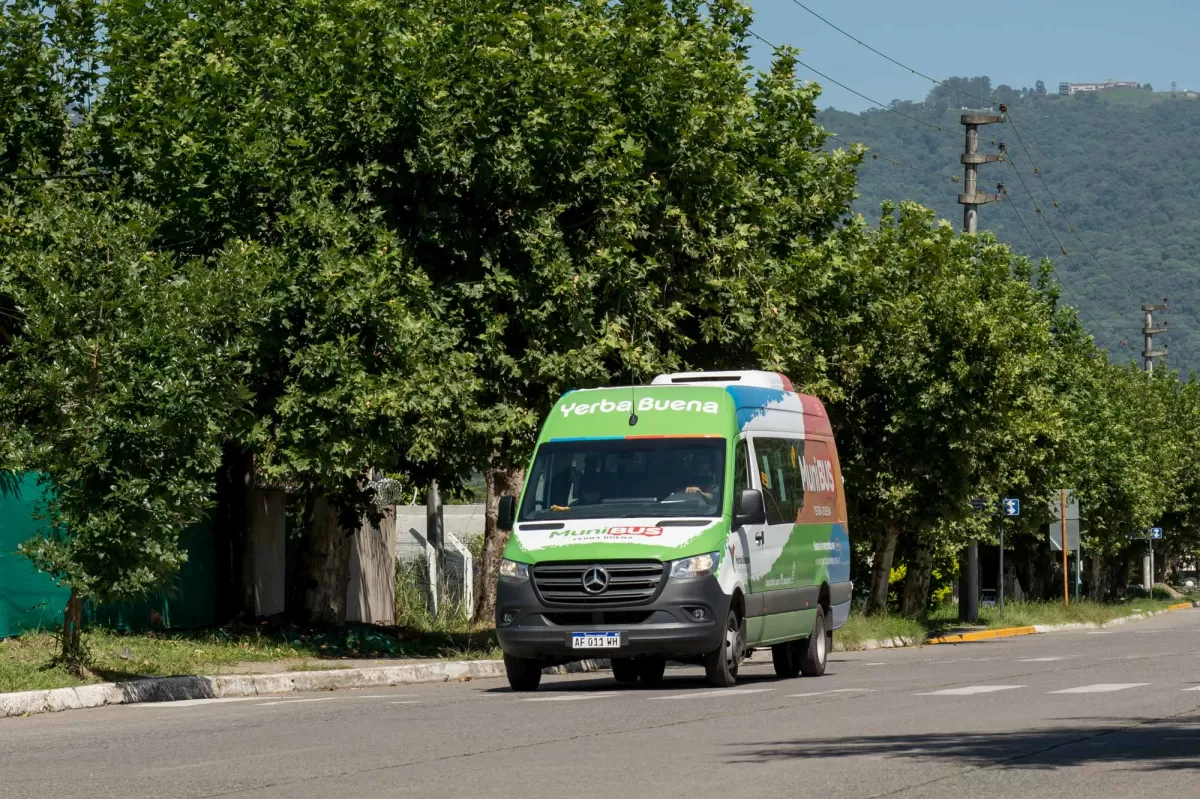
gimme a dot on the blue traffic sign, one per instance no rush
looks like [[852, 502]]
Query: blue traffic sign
[[1012, 507], [1156, 532]]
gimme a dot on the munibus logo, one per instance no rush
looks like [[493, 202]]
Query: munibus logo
[[615, 531], [817, 476]]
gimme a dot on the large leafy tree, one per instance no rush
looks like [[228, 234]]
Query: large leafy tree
[[935, 345], [120, 368], [593, 190]]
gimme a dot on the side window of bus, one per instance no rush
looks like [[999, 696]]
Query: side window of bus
[[779, 462], [741, 470]]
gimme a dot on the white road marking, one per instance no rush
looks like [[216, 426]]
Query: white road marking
[[971, 689], [380, 696], [1101, 688], [1193, 688], [878, 663], [568, 698], [1037, 660], [1104, 632], [834, 691], [196, 702], [725, 692], [295, 701]]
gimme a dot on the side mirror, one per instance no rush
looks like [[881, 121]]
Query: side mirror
[[750, 509], [507, 512]]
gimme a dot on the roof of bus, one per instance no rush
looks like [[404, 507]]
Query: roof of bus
[[681, 411]]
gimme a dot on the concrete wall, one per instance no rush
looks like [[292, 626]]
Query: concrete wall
[[464, 521]]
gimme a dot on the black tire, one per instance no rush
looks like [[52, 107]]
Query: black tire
[[651, 670], [625, 670], [524, 674], [721, 666], [786, 658], [816, 648]]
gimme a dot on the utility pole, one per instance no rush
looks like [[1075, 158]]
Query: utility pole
[[970, 200], [1149, 354], [1062, 496]]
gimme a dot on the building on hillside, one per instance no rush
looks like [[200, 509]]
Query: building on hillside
[[1074, 88]]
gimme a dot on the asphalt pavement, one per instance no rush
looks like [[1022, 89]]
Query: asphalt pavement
[[1112, 713]]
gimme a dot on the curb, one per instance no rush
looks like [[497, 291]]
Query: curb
[[172, 689], [1006, 632], [882, 643], [984, 635]]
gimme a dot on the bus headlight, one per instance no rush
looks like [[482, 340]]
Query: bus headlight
[[513, 572], [698, 566]]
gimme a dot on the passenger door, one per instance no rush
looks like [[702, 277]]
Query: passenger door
[[778, 574]]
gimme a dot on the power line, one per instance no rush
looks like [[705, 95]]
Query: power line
[[1037, 209], [884, 106], [880, 157], [986, 101], [1054, 200], [1067, 289], [990, 102]]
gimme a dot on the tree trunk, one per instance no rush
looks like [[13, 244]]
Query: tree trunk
[[501, 481], [1100, 591], [916, 583], [72, 639], [231, 522], [881, 569], [328, 564], [373, 570]]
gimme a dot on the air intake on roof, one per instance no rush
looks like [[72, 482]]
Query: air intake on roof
[[739, 378]]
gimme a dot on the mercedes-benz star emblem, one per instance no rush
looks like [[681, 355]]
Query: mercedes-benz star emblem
[[595, 580]]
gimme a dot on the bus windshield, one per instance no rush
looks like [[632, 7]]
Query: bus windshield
[[625, 478]]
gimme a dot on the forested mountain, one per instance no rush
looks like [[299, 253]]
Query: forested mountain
[[1122, 163]]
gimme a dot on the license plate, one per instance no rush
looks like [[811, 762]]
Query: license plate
[[595, 640]]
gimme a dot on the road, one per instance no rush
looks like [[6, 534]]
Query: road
[[1111, 713]]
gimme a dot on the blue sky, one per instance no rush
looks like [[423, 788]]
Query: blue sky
[[1013, 41]]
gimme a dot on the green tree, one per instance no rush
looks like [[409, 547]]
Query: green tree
[[119, 373], [934, 344], [593, 189]]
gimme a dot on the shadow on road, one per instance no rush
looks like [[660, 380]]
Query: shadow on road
[[1130, 744], [682, 678]]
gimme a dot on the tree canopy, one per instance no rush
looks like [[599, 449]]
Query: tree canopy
[[325, 240]]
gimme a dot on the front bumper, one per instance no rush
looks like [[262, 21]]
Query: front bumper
[[664, 626]]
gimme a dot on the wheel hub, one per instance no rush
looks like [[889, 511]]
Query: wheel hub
[[734, 646]]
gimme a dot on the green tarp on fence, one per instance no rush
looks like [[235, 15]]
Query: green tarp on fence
[[30, 600]]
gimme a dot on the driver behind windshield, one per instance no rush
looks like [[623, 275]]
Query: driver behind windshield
[[703, 478]]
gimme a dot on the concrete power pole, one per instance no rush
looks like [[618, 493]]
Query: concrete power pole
[[970, 199], [1149, 354]]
